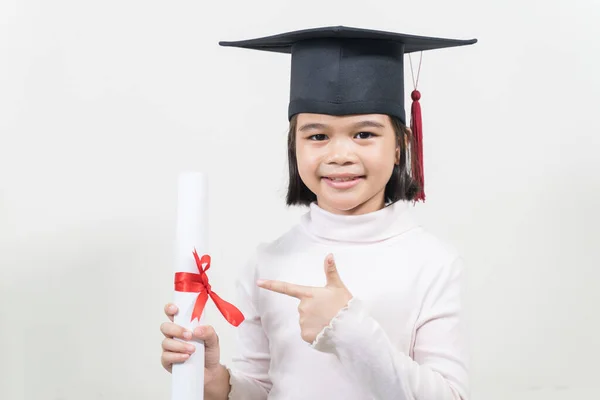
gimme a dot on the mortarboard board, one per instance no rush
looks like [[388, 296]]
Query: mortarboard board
[[342, 70]]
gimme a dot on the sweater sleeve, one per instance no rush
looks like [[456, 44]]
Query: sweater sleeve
[[249, 370], [438, 369]]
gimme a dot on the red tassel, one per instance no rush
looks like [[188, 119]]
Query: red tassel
[[416, 126]]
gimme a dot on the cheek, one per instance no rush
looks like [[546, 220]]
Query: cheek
[[308, 164], [382, 171], [306, 156], [381, 162]]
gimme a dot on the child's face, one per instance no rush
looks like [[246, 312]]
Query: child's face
[[346, 161]]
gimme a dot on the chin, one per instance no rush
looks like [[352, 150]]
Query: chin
[[343, 204]]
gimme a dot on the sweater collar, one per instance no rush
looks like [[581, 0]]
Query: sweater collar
[[376, 226]]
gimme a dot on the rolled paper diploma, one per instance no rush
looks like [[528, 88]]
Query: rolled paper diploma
[[192, 287], [192, 230]]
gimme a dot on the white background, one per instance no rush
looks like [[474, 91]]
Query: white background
[[102, 104]]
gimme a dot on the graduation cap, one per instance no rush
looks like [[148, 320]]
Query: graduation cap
[[342, 70]]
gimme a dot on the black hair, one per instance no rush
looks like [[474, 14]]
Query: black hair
[[401, 185]]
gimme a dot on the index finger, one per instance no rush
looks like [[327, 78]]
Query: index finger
[[289, 289], [171, 310]]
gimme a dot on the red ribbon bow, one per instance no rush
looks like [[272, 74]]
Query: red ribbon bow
[[198, 283]]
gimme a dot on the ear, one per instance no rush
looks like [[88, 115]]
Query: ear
[[397, 156], [407, 135]]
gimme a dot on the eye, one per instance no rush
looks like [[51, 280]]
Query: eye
[[364, 135], [318, 137]]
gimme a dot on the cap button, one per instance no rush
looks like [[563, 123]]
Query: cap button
[[415, 95]]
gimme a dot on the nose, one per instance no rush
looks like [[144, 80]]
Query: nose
[[340, 152]]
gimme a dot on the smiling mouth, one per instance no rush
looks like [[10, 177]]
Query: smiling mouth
[[342, 182], [343, 179]]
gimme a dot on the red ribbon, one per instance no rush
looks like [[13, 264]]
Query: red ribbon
[[198, 283]]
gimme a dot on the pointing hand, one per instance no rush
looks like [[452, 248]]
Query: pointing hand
[[318, 305]]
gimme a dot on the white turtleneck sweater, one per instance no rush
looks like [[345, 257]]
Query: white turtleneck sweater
[[401, 337]]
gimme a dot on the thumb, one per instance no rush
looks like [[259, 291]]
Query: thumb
[[331, 273]]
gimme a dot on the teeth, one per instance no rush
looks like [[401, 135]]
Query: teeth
[[342, 179]]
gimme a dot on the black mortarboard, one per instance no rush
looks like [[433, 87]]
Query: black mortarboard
[[342, 71]]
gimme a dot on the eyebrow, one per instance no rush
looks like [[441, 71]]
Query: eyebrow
[[362, 124]]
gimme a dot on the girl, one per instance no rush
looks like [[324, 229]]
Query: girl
[[357, 301]]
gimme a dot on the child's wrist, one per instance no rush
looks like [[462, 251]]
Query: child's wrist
[[219, 387]]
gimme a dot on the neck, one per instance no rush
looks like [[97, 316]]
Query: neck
[[373, 227]]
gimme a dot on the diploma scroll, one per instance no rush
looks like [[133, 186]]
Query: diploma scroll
[[192, 287], [192, 231]]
